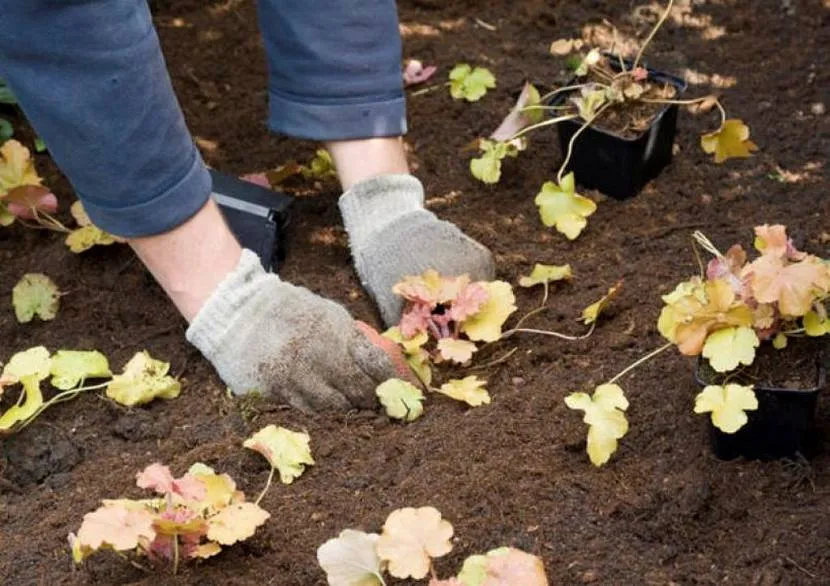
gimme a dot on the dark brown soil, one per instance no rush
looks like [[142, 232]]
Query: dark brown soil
[[663, 511]]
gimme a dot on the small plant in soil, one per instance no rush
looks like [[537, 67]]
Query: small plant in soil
[[411, 538], [724, 315], [195, 516], [610, 93]]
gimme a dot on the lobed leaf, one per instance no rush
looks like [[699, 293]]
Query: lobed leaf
[[604, 414], [411, 538], [401, 399], [35, 294], [727, 404], [562, 208], [729, 141], [729, 347], [470, 84], [470, 390], [486, 324], [543, 274], [287, 451], [351, 559], [236, 522], [70, 367], [144, 379]]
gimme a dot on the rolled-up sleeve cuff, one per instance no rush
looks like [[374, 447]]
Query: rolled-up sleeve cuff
[[162, 212]]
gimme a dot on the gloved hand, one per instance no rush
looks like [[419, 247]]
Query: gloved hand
[[263, 334], [392, 236]]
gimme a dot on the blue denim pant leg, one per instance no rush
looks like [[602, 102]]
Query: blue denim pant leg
[[90, 76], [334, 68]]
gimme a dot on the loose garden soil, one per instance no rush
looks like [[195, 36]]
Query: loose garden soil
[[663, 511]]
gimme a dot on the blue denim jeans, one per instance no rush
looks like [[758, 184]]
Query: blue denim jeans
[[91, 78]]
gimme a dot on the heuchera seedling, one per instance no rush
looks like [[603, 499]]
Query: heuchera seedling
[[410, 540], [196, 515]]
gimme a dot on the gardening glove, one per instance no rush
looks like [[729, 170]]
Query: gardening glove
[[392, 236], [263, 334]]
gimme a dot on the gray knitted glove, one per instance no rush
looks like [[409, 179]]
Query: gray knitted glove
[[392, 236], [263, 334]]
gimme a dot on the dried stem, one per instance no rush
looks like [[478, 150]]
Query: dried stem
[[542, 124], [267, 485], [706, 244], [651, 35], [550, 333], [566, 88], [585, 125], [495, 361]]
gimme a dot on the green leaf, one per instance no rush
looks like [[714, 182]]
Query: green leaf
[[474, 569], [143, 380], [543, 274], [487, 168], [40, 146], [401, 399], [287, 451], [470, 390], [470, 84], [35, 294], [6, 130], [729, 347], [20, 412], [727, 404], [561, 207], [779, 342], [816, 324], [70, 367]]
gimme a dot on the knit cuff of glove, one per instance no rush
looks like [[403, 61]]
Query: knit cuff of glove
[[211, 325], [371, 205]]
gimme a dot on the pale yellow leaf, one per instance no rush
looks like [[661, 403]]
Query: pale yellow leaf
[[236, 522], [401, 399], [470, 390], [727, 404], [411, 538], [288, 451]]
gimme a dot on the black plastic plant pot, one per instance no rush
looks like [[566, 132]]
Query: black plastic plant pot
[[618, 166], [781, 428]]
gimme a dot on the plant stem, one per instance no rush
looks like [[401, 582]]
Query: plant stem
[[567, 88], [645, 358], [651, 34], [550, 333], [706, 244], [48, 221], [585, 125], [267, 485], [542, 124], [671, 101], [494, 362], [426, 90], [59, 398], [722, 113], [175, 553]]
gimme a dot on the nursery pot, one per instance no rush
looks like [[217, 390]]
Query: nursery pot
[[781, 427], [618, 166]]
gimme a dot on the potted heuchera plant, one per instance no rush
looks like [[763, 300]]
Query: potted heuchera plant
[[740, 309]]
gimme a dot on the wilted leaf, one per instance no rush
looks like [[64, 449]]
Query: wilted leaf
[[287, 451], [562, 208], [35, 295], [591, 59], [515, 568], [542, 274], [729, 347], [401, 399], [32, 362], [591, 98], [470, 390], [470, 84], [731, 140], [143, 380], [562, 47], [791, 285], [604, 414], [20, 412], [411, 538], [455, 350], [70, 367], [486, 324], [524, 113], [351, 560], [116, 527], [591, 313], [236, 522], [727, 404]]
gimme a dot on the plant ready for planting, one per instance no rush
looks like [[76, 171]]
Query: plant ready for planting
[[620, 96]]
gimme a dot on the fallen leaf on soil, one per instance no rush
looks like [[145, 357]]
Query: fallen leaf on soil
[[562, 208], [515, 568], [411, 538], [20, 412], [542, 274], [143, 380], [591, 313], [727, 404], [460, 351], [236, 522], [401, 399], [70, 367], [287, 451], [469, 389], [351, 559], [604, 414], [35, 294], [32, 362], [731, 140]]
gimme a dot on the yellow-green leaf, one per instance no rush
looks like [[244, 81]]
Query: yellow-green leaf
[[729, 347], [729, 141], [562, 208], [727, 404], [32, 362], [542, 274], [591, 313], [460, 351], [470, 84], [469, 389], [35, 295], [779, 342], [815, 325], [16, 167], [604, 414], [70, 367], [20, 412], [486, 324], [236, 522], [287, 451], [144, 379], [401, 399]]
